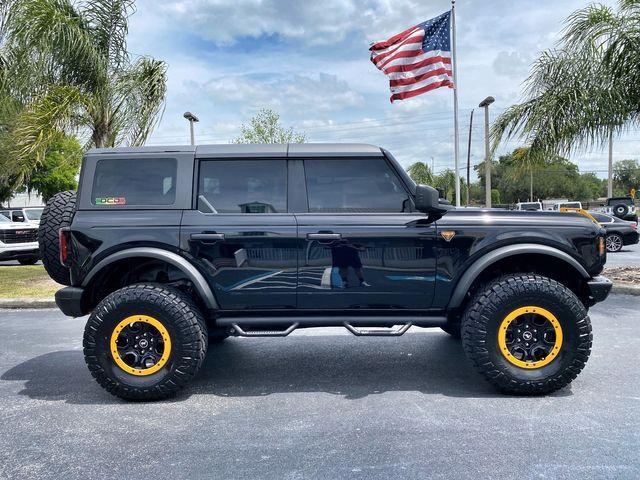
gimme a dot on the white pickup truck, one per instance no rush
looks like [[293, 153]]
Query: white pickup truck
[[18, 241]]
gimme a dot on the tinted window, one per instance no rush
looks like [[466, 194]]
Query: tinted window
[[353, 186], [601, 218], [244, 186], [143, 181]]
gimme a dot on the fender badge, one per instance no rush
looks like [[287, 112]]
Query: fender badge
[[448, 235]]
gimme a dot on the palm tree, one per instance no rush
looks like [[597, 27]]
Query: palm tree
[[66, 63], [421, 173], [584, 90]]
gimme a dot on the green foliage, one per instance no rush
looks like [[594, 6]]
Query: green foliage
[[555, 177], [580, 91], [59, 169], [626, 175], [265, 127], [421, 173], [64, 67], [446, 181], [495, 196]]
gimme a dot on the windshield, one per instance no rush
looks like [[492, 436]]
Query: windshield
[[4, 219], [33, 213]]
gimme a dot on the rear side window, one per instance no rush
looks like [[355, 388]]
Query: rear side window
[[353, 186], [140, 181], [243, 186], [601, 218]]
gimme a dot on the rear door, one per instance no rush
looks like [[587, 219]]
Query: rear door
[[361, 246], [240, 233]]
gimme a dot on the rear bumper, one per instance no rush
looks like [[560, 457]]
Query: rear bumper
[[599, 288], [69, 301]]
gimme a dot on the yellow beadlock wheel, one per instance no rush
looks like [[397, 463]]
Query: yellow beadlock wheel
[[140, 345], [530, 337]]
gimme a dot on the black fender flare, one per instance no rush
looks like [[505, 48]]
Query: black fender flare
[[476, 268], [186, 267]]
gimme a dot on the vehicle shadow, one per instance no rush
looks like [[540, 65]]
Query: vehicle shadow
[[341, 365]]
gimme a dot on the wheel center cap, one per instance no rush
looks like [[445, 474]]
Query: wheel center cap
[[527, 335], [144, 343]]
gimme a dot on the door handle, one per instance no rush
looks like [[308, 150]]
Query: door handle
[[324, 236], [207, 237]]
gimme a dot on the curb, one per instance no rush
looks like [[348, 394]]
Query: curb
[[626, 289], [7, 303]]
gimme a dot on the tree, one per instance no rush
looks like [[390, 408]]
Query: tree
[[626, 174], [265, 127], [578, 93], [70, 70], [446, 181], [59, 168], [421, 173]]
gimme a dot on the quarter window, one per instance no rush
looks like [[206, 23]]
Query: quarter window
[[140, 181], [243, 186], [353, 186]]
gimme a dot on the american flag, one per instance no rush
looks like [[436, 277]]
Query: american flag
[[418, 59]]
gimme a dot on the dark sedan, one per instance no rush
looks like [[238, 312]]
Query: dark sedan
[[619, 232]]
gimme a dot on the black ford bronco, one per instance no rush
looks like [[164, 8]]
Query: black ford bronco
[[172, 248]]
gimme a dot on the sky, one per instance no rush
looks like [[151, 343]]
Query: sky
[[309, 61]]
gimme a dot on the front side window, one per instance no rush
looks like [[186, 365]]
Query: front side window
[[243, 186], [139, 181], [353, 186]]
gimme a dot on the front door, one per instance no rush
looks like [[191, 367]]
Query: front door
[[361, 248], [241, 236]]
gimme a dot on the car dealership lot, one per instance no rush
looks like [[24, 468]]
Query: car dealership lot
[[321, 404]]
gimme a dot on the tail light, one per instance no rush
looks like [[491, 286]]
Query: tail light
[[601, 246], [634, 226], [63, 241]]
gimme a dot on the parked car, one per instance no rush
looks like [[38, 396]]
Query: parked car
[[18, 241], [621, 207], [619, 232], [529, 206], [169, 248], [30, 215], [558, 206]]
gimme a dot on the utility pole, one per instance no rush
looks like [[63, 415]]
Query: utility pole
[[610, 178], [531, 183], [469, 157], [192, 119], [487, 150]]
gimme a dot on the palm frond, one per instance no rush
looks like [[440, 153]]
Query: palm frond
[[37, 127], [108, 20]]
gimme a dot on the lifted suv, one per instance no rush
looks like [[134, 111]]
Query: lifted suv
[[170, 249]]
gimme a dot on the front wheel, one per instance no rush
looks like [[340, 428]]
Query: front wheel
[[527, 334], [614, 243], [145, 341]]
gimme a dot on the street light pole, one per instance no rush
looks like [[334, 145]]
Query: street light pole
[[487, 151], [469, 157], [610, 176], [192, 119]]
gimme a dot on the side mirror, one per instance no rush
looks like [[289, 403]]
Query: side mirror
[[427, 200]]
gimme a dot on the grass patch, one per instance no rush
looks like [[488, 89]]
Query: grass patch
[[26, 281]]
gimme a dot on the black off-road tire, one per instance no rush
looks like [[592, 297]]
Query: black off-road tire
[[28, 260], [57, 214], [178, 314], [486, 312], [620, 210]]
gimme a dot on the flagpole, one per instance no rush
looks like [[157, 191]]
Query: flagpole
[[455, 102]]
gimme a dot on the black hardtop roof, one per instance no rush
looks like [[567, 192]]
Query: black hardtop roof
[[239, 150]]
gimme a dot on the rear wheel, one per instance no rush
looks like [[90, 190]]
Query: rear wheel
[[57, 214], [527, 334], [614, 242], [145, 342]]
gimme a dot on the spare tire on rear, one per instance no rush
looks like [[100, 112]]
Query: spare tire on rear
[[57, 214]]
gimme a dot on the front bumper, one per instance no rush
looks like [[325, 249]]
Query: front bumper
[[12, 251], [599, 288], [69, 301]]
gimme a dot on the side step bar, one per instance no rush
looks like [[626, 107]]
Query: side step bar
[[281, 326]]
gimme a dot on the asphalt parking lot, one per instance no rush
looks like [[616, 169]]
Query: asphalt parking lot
[[629, 256], [319, 404]]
